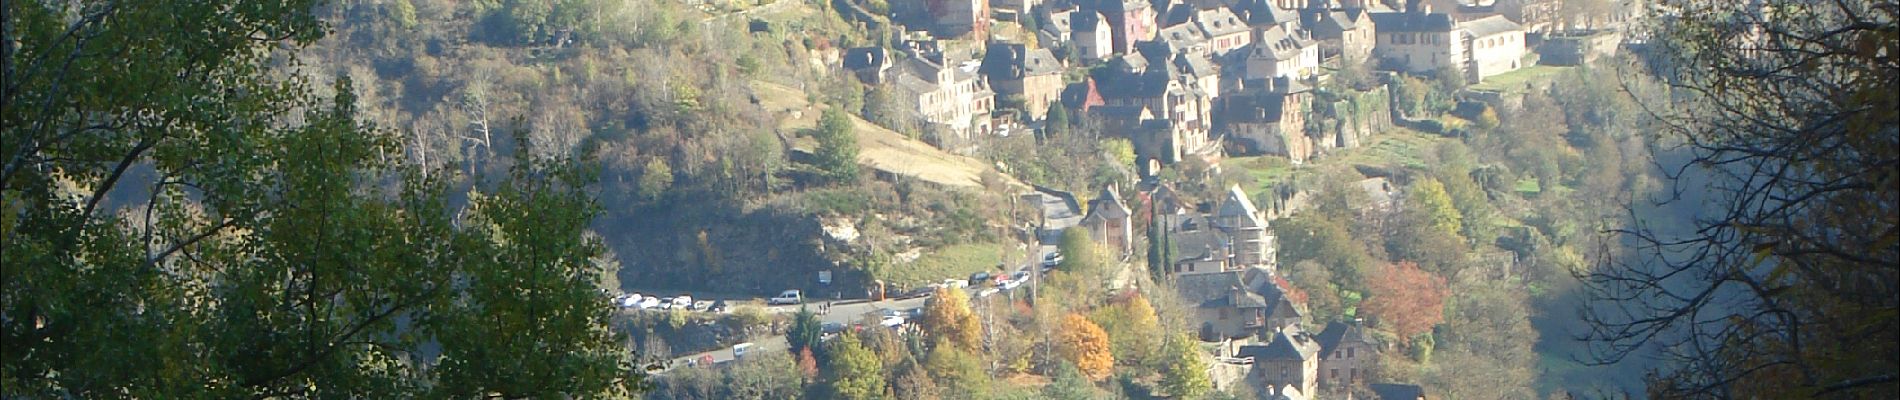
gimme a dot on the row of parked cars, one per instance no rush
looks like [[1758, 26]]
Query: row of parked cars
[[685, 302]]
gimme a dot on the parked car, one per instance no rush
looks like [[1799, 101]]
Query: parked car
[[631, 301], [956, 283], [891, 318], [787, 297], [1051, 260], [650, 302], [683, 303], [739, 350], [1009, 284], [914, 313], [979, 278], [666, 303], [718, 306], [831, 328]]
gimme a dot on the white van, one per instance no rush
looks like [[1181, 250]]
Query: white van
[[787, 297], [739, 350]]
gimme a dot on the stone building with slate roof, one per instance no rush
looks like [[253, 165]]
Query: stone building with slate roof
[[1291, 358], [1269, 118], [1346, 354], [1244, 304], [1108, 222], [1016, 70]]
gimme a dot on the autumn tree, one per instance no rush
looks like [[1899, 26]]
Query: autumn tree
[[1085, 344], [1430, 229], [1783, 286], [1185, 376], [1131, 325], [853, 371], [949, 321], [1405, 299]]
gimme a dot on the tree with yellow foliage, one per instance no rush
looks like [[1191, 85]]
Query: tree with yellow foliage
[[1085, 344], [948, 320]]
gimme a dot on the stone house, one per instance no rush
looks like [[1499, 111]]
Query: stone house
[[1417, 40], [1094, 39], [1253, 239], [1346, 354], [1129, 21], [1179, 104], [1495, 45], [1108, 222], [1269, 118], [1291, 358], [1017, 70], [959, 18], [1279, 52], [1420, 41], [1345, 33], [1058, 21], [1266, 14], [954, 97], [1537, 16], [870, 64], [1224, 31], [1237, 304]]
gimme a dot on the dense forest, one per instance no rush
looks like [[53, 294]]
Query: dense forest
[[427, 198]]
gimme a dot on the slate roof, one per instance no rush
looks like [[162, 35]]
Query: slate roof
[[1015, 61], [1393, 391], [1278, 44], [1218, 21], [865, 57], [1237, 204], [1201, 245], [1287, 345], [1339, 332], [1084, 21], [1396, 21], [1491, 25], [1256, 108], [1265, 12], [1108, 204], [1082, 95], [1196, 66], [1201, 288]]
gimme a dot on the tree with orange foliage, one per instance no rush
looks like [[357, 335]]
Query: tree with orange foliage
[[1085, 344], [1294, 293], [1405, 299]]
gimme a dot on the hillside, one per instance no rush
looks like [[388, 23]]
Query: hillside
[[883, 149]]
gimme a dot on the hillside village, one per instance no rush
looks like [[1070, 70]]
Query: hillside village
[[1204, 80], [1198, 81]]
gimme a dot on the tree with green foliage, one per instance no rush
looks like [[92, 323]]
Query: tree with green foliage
[[181, 221], [655, 179], [1427, 199], [837, 153], [1069, 384], [1057, 121], [770, 376], [853, 371], [1185, 376], [1080, 253], [805, 332], [958, 373]]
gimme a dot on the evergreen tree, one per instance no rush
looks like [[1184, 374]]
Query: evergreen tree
[[806, 331], [837, 153], [1185, 376], [854, 372]]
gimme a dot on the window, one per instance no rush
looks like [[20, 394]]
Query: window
[[1349, 351], [1335, 374]]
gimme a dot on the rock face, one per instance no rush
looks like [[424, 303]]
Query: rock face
[[725, 250]]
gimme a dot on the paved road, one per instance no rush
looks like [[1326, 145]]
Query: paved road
[[844, 314]]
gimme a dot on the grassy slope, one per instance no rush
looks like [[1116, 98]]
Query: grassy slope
[[1515, 81], [958, 261], [882, 149]]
